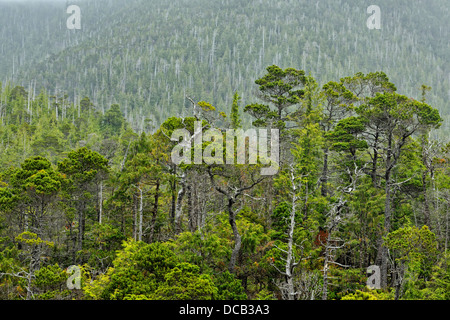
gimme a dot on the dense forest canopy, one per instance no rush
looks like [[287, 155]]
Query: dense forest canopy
[[92, 206]]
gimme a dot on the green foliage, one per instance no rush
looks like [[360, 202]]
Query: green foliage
[[36, 175], [184, 282], [7, 198], [281, 89], [280, 221], [101, 243], [235, 116], [437, 287], [208, 251], [82, 166], [228, 287], [31, 238], [138, 268], [345, 136], [368, 295], [11, 287], [151, 271], [415, 249], [65, 164], [112, 121], [51, 280], [412, 245], [344, 281]]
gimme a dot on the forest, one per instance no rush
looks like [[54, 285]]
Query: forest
[[147, 55], [94, 207], [360, 183]]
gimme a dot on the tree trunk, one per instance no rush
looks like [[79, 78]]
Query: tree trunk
[[173, 186], [387, 214], [426, 204], [179, 207], [135, 217], [190, 206], [325, 268], [290, 257], [100, 203], [155, 212], [236, 235], [141, 208], [324, 180], [81, 223], [375, 161]]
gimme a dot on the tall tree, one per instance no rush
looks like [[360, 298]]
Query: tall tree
[[281, 89], [398, 118], [338, 104], [84, 170], [35, 187]]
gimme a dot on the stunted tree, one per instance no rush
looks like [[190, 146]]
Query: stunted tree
[[338, 104], [112, 121], [396, 118], [298, 184], [233, 183], [280, 90], [84, 170], [366, 87], [32, 190], [143, 177], [179, 173], [292, 252], [413, 251]]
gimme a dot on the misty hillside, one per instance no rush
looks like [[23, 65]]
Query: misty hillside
[[148, 55], [113, 182]]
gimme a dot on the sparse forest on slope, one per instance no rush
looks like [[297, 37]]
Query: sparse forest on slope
[[88, 183]]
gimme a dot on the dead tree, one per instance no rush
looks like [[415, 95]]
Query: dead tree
[[232, 193], [287, 287], [332, 243]]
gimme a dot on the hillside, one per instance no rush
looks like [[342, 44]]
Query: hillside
[[148, 55]]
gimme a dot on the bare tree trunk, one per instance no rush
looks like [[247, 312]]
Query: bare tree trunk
[[173, 186], [74, 243], [200, 210], [100, 203], [141, 208], [325, 269], [387, 223], [179, 205], [426, 204], [331, 243], [190, 209], [30, 273], [290, 263], [135, 215]]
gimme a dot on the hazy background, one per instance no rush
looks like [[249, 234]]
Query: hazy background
[[147, 55]]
